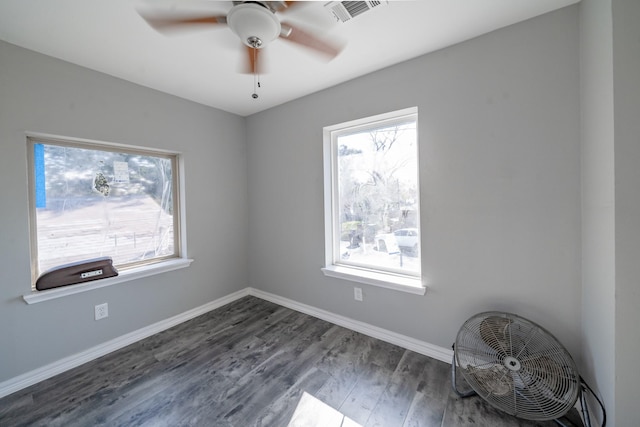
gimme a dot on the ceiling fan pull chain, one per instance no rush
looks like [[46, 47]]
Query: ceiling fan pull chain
[[256, 78]]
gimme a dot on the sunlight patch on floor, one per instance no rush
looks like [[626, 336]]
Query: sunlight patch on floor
[[312, 412]]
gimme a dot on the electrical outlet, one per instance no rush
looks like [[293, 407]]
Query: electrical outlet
[[101, 311], [357, 294]]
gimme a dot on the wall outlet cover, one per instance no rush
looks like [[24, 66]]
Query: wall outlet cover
[[101, 311]]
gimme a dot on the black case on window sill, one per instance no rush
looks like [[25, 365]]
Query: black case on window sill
[[77, 272]]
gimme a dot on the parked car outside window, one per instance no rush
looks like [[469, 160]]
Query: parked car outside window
[[408, 239]]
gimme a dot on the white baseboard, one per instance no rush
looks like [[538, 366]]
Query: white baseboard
[[40, 374], [433, 351]]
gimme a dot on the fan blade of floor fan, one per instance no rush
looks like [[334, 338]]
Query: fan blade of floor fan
[[166, 23], [303, 38]]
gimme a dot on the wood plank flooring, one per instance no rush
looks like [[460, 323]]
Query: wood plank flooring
[[253, 363]]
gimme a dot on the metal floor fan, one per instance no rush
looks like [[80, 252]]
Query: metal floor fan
[[517, 367]]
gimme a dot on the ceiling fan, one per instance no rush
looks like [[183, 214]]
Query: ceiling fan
[[256, 23]]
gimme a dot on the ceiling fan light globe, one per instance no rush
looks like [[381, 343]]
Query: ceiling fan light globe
[[250, 21]]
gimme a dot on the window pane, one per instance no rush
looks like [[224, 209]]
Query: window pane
[[377, 224], [92, 203]]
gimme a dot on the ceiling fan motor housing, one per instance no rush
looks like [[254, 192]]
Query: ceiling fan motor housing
[[254, 24]]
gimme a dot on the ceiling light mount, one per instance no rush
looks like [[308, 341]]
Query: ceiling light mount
[[254, 42], [254, 24]]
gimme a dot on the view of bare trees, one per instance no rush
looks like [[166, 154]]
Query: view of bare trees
[[377, 183]]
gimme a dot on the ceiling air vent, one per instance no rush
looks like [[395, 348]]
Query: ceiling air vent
[[344, 11]]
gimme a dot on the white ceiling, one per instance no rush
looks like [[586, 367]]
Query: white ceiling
[[110, 36]]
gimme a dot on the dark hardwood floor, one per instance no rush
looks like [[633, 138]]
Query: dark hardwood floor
[[253, 363]]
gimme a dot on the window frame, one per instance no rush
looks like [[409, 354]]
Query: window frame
[[132, 270], [390, 279]]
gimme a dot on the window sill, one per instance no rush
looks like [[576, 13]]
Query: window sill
[[125, 276], [399, 283]]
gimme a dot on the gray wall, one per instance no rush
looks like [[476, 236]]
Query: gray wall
[[610, 70], [42, 94], [598, 210], [500, 184], [626, 89]]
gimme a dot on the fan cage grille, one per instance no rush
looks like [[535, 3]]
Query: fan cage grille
[[517, 366]]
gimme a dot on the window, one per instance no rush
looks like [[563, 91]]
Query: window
[[91, 200], [372, 217]]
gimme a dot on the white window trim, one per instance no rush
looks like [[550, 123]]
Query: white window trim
[[388, 280], [133, 273], [412, 285]]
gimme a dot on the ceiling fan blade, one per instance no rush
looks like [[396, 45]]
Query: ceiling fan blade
[[253, 64], [281, 6], [164, 23], [303, 38]]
